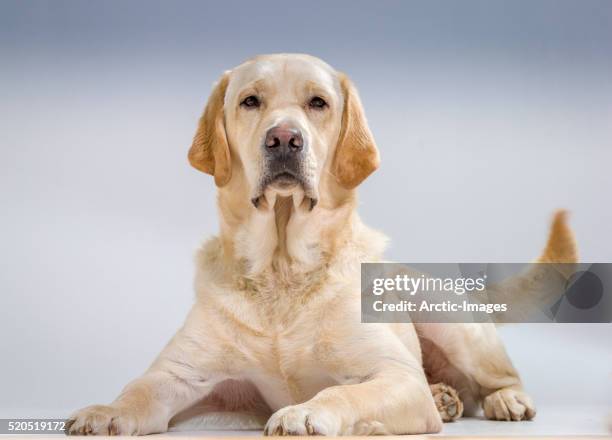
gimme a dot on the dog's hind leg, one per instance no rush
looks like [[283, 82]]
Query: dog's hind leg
[[476, 352], [447, 401]]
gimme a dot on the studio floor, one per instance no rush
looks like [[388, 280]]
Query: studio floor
[[552, 422]]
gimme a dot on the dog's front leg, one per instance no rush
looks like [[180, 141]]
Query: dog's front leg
[[382, 390], [144, 407], [387, 404], [182, 374]]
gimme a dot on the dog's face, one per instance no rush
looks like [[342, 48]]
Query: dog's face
[[282, 118], [284, 122]]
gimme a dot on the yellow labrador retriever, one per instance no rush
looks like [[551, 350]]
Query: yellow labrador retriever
[[276, 324]]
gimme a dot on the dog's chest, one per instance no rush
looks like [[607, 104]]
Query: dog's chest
[[285, 370]]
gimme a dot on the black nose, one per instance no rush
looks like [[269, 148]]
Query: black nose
[[284, 139]]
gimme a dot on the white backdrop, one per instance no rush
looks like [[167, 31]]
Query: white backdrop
[[489, 116]]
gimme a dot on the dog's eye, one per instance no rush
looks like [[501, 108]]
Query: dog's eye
[[317, 103], [250, 102]]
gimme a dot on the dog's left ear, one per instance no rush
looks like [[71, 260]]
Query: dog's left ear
[[356, 154], [210, 151]]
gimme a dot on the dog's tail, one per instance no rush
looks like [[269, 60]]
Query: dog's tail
[[541, 284], [561, 246]]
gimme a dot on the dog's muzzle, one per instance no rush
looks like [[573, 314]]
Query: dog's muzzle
[[284, 154]]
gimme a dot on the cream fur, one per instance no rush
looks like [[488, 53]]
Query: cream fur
[[275, 331]]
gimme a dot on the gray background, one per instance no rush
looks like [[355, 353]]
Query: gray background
[[489, 115]]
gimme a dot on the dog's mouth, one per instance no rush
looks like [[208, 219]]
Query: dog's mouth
[[285, 180], [285, 184]]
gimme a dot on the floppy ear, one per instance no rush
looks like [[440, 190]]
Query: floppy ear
[[210, 152], [356, 153]]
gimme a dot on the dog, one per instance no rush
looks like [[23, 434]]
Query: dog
[[275, 328]]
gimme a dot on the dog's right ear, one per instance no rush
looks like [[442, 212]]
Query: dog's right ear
[[210, 151]]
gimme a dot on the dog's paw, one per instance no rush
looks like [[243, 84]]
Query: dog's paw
[[447, 401], [302, 420], [508, 404], [101, 420]]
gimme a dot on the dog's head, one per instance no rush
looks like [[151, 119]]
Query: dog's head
[[284, 123]]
